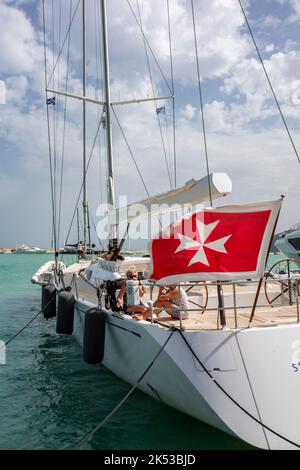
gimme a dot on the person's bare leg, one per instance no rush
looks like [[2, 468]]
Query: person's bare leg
[[160, 305], [139, 312]]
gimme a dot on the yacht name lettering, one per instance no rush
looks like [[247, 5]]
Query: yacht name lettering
[[296, 367]]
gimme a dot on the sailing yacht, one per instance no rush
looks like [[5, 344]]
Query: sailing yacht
[[234, 362]]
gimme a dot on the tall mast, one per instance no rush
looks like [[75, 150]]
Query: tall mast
[[110, 183], [78, 231], [88, 230], [84, 201]]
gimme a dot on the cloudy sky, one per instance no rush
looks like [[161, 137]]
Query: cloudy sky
[[245, 135]]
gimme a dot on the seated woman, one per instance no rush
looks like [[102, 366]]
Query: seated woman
[[140, 309], [174, 301]]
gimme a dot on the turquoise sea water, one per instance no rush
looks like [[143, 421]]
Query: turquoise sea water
[[49, 398]]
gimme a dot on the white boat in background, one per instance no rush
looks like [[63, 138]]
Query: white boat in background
[[288, 243], [29, 249], [46, 273], [235, 362]]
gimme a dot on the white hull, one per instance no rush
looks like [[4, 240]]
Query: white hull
[[30, 252], [290, 245], [45, 274], [254, 366], [23, 249]]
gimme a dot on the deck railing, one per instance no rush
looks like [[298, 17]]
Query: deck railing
[[287, 295]]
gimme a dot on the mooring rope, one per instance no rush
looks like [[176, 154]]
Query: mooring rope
[[90, 434], [258, 421], [25, 326]]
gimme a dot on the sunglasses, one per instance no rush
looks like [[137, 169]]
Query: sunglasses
[[132, 276]]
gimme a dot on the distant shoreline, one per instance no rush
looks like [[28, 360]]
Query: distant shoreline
[[50, 251]]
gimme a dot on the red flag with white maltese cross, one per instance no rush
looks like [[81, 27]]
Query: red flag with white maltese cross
[[225, 243]]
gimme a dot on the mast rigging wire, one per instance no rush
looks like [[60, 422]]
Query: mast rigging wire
[[201, 102], [95, 228], [131, 153], [153, 93], [49, 134], [150, 48], [269, 81], [63, 44], [55, 114], [57, 121], [86, 170], [54, 118], [173, 94], [64, 125], [104, 165], [98, 85]]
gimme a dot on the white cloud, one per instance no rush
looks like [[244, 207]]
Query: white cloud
[[17, 41], [2, 92], [17, 87], [290, 45], [256, 104], [269, 48], [295, 4], [270, 21], [189, 111], [238, 108]]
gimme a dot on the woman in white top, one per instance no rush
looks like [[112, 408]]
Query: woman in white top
[[174, 300]]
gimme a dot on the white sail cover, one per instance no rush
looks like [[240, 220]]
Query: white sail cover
[[193, 192]]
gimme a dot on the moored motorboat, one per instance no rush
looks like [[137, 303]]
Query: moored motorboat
[[23, 249]]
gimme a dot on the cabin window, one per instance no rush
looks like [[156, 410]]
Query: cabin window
[[295, 242]]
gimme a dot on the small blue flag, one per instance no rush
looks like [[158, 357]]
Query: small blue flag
[[161, 110], [51, 101]]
